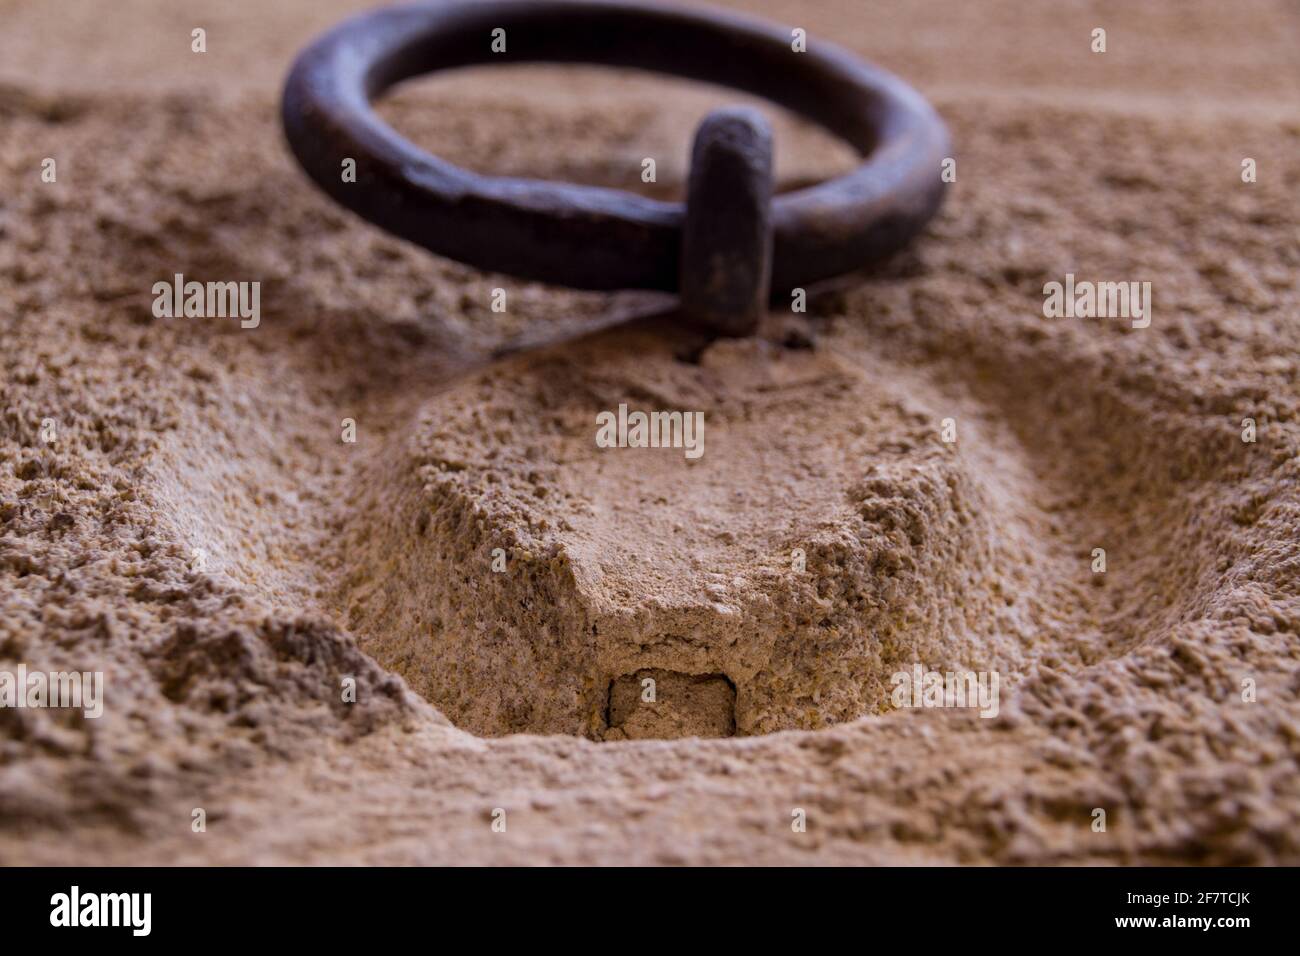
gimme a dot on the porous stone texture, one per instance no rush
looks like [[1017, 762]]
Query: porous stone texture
[[306, 638], [659, 704], [806, 564]]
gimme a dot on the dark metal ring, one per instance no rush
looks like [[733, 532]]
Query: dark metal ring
[[597, 238]]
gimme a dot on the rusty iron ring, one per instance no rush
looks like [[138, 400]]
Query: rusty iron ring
[[592, 237]]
